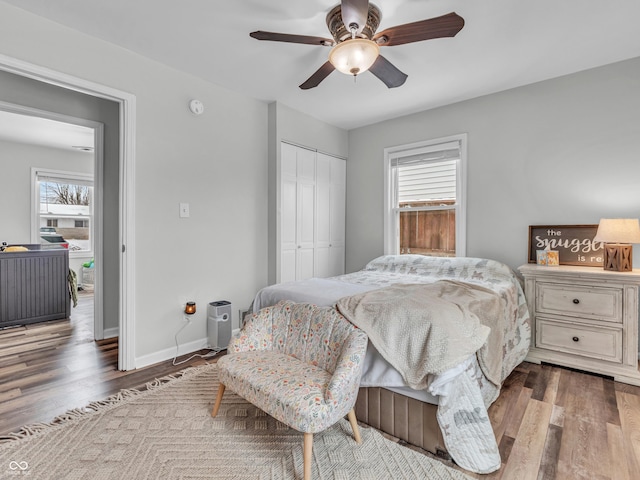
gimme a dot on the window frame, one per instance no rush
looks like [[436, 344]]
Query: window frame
[[63, 176], [392, 213]]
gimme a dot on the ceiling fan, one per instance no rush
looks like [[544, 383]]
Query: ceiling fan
[[356, 45]]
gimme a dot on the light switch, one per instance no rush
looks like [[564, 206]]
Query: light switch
[[184, 210]]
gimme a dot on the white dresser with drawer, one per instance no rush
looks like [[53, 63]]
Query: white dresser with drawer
[[584, 318]]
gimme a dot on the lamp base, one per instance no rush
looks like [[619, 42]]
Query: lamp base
[[618, 257]]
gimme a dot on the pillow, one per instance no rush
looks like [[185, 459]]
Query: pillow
[[16, 248]]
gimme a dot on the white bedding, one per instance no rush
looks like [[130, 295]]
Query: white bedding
[[324, 292], [463, 393], [320, 291]]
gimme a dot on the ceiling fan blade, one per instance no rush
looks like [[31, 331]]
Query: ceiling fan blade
[[387, 72], [320, 74], [445, 26], [286, 37], [355, 11]]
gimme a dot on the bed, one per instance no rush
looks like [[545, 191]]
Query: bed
[[444, 411]]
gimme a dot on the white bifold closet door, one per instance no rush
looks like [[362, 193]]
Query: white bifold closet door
[[312, 214], [330, 215]]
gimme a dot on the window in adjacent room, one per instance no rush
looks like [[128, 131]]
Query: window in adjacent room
[[425, 198], [63, 214]]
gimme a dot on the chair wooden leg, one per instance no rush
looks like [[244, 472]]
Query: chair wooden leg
[[216, 406], [354, 425], [307, 454]]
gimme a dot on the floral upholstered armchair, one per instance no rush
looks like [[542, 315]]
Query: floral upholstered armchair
[[299, 363]]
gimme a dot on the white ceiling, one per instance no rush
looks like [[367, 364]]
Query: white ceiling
[[32, 130], [504, 44]]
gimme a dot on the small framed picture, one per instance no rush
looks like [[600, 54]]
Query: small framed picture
[[550, 258], [541, 257]]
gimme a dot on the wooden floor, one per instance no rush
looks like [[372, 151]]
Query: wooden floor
[[550, 423], [555, 423], [49, 368]]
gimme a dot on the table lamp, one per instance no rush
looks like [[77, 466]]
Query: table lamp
[[618, 234]]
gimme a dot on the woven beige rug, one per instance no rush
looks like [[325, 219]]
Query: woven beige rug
[[166, 432]]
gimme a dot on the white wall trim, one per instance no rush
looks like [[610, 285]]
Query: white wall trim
[[390, 234], [98, 230], [126, 356], [111, 332], [169, 353], [127, 102]]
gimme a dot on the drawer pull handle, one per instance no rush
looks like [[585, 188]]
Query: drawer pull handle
[[575, 339], [576, 301]]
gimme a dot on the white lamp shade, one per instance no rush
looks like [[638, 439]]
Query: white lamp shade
[[354, 56], [618, 230]]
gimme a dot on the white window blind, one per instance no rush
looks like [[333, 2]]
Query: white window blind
[[428, 176], [427, 182], [68, 179], [425, 197]]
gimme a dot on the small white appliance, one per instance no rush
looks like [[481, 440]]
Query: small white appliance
[[219, 324]]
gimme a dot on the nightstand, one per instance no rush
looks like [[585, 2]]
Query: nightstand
[[584, 318]]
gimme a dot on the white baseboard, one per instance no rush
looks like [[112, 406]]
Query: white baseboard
[[169, 353], [111, 332]]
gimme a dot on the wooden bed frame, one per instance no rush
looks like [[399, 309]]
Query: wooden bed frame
[[408, 419]]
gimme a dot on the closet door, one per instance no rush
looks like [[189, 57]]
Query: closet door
[[288, 213], [330, 215], [297, 206], [323, 216], [306, 208], [338, 216]]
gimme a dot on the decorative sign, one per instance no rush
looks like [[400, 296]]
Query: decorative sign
[[573, 242]]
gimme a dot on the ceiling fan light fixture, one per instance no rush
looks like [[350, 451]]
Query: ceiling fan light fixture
[[354, 56]]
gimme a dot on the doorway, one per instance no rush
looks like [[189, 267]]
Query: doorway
[[37, 87], [60, 207]]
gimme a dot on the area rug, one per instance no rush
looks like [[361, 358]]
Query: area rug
[[167, 432]]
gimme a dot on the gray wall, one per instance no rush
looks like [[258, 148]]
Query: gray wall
[[16, 160], [31, 93], [286, 124], [217, 162], [562, 151]]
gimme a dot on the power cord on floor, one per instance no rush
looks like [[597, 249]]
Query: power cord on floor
[[212, 353]]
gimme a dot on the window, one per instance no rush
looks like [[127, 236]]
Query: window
[[425, 187], [63, 212]]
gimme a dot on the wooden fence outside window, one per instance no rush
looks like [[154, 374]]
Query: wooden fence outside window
[[428, 232]]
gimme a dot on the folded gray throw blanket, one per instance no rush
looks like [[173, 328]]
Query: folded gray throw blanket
[[424, 329]]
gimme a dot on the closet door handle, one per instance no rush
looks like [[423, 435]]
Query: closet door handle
[[576, 339], [576, 301]]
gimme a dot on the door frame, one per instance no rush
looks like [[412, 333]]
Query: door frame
[[127, 108]]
